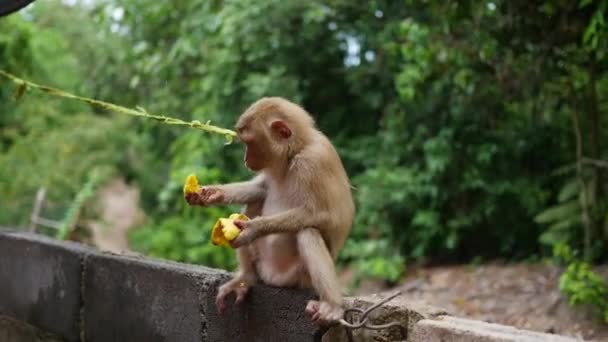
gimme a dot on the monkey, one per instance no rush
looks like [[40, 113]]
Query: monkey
[[300, 204]]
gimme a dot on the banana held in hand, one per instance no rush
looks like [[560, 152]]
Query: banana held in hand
[[225, 230], [191, 185]]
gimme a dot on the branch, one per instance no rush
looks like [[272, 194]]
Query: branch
[[596, 162], [584, 199]]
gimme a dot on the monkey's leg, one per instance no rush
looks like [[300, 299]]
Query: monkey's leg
[[320, 266], [245, 277]]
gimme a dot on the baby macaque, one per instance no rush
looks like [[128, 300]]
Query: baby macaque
[[300, 205]]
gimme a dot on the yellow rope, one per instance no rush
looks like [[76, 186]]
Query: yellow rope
[[23, 85]]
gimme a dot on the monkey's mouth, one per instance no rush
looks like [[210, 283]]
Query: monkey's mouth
[[247, 159]]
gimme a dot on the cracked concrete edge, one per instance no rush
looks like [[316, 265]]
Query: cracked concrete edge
[[205, 297], [430, 323], [83, 272], [456, 329]]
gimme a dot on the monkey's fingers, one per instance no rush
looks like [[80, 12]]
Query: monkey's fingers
[[245, 237], [238, 242], [328, 314], [312, 310], [192, 198], [210, 195], [312, 306], [241, 224], [220, 305], [240, 295]]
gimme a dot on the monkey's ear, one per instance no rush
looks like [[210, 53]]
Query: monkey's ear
[[280, 128]]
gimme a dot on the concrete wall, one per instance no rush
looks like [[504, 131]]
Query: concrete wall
[[79, 294], [52, 290]]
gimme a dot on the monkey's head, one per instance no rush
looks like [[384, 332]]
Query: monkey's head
[[273, 131]]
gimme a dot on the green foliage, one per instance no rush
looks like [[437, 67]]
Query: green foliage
[[564, 218], [183, 240], [581, 284], [373, 259], [451, 116], [60, 158], [84, 194], [595, 33]]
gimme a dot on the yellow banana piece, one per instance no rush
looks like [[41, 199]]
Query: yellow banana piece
[[225, 230], [191, 185]]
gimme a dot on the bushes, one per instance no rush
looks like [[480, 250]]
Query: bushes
[[454, 119]]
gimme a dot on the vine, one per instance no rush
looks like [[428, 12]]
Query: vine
[[24, 85]]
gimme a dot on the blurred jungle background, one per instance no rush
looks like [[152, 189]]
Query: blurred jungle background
[[474, 132]]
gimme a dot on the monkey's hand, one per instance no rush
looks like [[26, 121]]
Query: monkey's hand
[[239, 285], [205, 196], [249, 232], [324, 313]]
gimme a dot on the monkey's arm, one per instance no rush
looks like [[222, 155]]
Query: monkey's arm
[[244, 192], [241, 192], [289, 221]]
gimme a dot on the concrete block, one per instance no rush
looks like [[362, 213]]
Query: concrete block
[[454, 329], [40, 282], [137, 299], [267, 314]]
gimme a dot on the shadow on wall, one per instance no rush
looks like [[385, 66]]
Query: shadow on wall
[[12, 330]]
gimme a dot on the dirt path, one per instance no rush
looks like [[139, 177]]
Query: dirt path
[[118, 208], [521, 295]]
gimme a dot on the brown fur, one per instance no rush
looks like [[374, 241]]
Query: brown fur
[[301, 203]]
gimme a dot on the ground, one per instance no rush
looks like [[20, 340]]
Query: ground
[[522, 295]]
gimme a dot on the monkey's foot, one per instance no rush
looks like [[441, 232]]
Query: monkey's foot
[[237, 285], [324, 313]]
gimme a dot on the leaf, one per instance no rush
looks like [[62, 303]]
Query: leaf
[[565, 225], [558, 212], [568, 191], [21, 88], [551, 238]]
